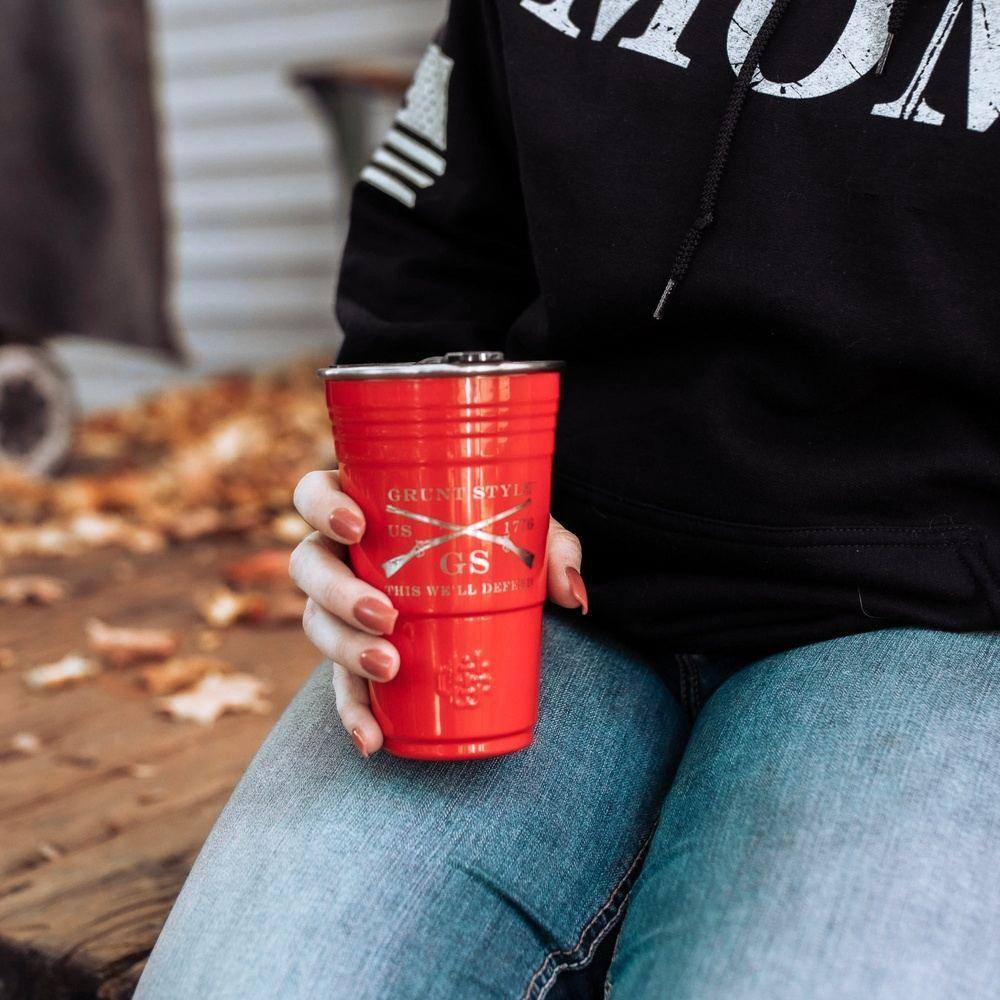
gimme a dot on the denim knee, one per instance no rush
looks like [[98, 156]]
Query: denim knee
[[832, 831], [332, 876]]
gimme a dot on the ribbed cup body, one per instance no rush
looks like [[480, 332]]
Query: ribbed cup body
[[453, 475]]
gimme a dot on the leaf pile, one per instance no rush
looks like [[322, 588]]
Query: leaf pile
[[219, 456]]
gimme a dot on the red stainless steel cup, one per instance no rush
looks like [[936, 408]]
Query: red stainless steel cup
[[450, 459]]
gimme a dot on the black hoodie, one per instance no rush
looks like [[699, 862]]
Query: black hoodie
[[807, 442]]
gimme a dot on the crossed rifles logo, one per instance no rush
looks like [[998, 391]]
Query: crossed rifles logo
[[475, 530]]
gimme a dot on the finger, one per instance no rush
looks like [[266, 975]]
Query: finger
[[321, 502], [329, 581], [362, 654], [566, 586], [353, 707]]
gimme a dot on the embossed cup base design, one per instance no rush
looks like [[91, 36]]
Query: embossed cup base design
[[465, 680], [467, 685]]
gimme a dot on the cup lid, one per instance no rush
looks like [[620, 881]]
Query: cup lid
[[455, 364]]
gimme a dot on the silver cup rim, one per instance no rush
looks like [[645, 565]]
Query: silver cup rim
[[458, 364]]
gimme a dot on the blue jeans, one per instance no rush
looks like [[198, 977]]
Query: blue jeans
[[828, 827]]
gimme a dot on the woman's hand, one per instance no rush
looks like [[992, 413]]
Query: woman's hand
[[346, 619]]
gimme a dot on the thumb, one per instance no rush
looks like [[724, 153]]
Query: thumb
[[566, 587]]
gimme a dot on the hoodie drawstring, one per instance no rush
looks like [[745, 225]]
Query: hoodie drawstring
[[723, 144], [727, 129]]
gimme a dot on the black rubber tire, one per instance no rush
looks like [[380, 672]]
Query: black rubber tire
[[37, 409]]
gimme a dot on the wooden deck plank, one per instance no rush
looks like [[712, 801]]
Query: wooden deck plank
[[92, 855]]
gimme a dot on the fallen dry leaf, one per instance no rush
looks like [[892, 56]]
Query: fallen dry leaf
[[81, 534], [290, 528], [209, 640], [121, 647], [63, 673], [95, 531], [189, 525], [49, 851], [215, 695], [142, 771], [269, 566], [141, 541], [181, 672], [26, 744], [223, 607], [221, 455], [31, 590], [37, 540]]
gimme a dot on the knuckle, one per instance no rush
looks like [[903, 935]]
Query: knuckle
[[331, 594], [298, 561], [317, 634], [309, 616], [295, 561], [336, 651], [303, 489], [338, 675], [563, 540], [347, 707], [340, 697]]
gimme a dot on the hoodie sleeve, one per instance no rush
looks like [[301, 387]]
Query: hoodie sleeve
[[437, 256]]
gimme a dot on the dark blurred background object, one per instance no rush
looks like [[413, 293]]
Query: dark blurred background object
[[255, 214], [357, 99], [82, 244], [36, 409], [81, 217]]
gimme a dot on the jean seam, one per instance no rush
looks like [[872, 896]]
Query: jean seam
[[593, 932], [682, 674], [690, 685], [608, 985], [697, 690]]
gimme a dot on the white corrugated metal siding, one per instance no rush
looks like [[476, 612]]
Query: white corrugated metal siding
[[249, 183]]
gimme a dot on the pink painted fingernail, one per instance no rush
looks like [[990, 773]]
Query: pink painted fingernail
[[359, 742], [347, 525], [379, 664], [577, 588], [376, 615]]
